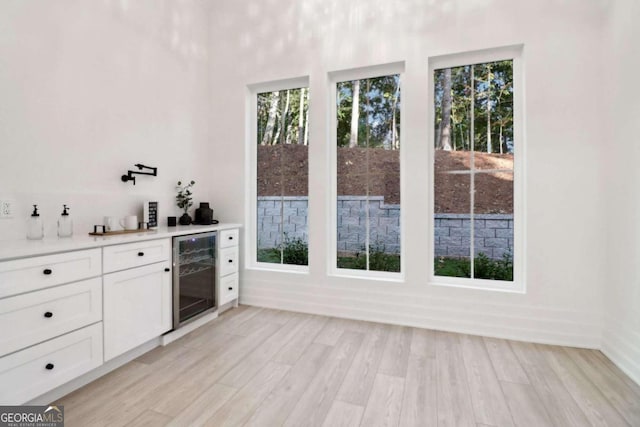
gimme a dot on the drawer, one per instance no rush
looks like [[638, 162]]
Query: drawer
[[229, 238], [228, 289], [29, 274], [228, 261], [31, 372], [121, 257], [38, 316]]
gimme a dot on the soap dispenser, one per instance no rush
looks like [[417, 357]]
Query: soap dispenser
[[35, 229], [65, 224]]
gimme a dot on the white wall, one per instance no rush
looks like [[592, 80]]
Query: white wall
[[259, 41], [88, 89], [621, 338]]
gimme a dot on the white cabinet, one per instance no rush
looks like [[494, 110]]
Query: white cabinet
[[38, 369], [121, 257], [137, 307], [34, 317], [228, 262]]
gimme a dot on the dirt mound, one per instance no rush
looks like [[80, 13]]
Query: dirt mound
[[282, 170]]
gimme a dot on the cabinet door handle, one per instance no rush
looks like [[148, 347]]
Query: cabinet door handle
[[48, 314], [230, 261], [167, 269], [230, 237], [230, 288], [49, 366], [47, 271], [140, 253]]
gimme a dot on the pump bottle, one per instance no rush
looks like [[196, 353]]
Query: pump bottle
[[65, 224], [35, 228]]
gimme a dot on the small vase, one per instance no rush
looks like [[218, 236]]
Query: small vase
[[185, 219], [204, 215]]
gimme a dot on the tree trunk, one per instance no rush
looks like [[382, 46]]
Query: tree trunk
[[395, 142], [306, 127], [355, 114], [267, 138], [284, 135], [445, 129], [301, 118], [500, 140], [488, 108]]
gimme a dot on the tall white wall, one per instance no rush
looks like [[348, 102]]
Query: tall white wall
[[275, 39], [621, 338], [88, 89]]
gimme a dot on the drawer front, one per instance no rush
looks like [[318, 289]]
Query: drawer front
[[29, 274], [121, 257], [228, 288], [228, 261], [229, 238], [31, 372], [38, 316]]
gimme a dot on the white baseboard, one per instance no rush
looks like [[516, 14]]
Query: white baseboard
[[532, 324], [622, 346]]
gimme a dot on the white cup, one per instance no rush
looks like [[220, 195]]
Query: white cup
[[129, 222], [109, 223]]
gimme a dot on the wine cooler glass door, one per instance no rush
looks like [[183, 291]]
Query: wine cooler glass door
[[195, 271]]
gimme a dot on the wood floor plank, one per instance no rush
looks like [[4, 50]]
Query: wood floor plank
[[489, 405], [621, 396], [618, 372], [315, 403], [221, 324], [343, 414], [331, 332], [525, 405], [240, 407], [558, 402], [396, 353], [291, 352], [362, 373], [203, 406], [250, 365], [423, 343], [385, 402], [275, 409], [150, 418], [588, 397], [454, 399], [420, 405], [505, 363], [206, 371]]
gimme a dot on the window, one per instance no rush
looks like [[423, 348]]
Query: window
[[367, 126], [475, 162], [282, 158]]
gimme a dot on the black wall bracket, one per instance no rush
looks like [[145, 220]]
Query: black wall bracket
[[129, 176]]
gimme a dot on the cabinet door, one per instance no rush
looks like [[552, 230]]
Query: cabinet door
[[137, 307]]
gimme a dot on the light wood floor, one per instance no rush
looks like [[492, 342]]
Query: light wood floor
[[262, 367]]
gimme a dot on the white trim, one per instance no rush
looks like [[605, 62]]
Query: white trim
[[251, 190], [622, 345], [516, 53], [413, 307], [332, 227]]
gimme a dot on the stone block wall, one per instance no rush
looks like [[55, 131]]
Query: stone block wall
[[288, 215]]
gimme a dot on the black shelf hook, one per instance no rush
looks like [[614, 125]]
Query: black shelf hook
[[129, 176]]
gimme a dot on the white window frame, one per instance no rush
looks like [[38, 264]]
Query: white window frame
[[332, 224], [251, 184], [515, 53]]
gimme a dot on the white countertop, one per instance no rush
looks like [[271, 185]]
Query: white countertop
[[11, 249]]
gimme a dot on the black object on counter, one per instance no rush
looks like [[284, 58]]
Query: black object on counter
[[171, 221], [204, 215]]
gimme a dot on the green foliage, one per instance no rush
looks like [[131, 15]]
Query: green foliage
[[379, 260], [493, 84], [379, 104], [294, 251], [484, 267], [184, 199]]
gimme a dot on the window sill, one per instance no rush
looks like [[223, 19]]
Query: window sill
[[479, 284], [380, 276], [279, 268]]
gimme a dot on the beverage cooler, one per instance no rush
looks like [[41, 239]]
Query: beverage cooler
[[194, 277]]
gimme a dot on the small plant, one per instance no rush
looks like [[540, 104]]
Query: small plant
[[294, 251], [483, 267], [184, 199]]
